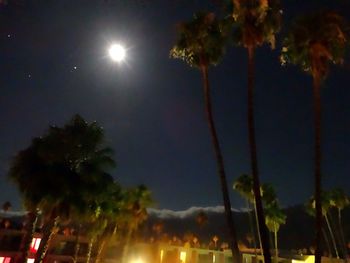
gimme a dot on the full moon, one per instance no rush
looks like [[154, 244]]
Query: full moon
[[117, 52]]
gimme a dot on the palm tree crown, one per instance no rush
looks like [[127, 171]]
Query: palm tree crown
[[256, 22], [244, 186], [316, 41], [201, 42]]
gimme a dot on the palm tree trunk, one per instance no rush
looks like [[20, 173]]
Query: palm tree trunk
[[115, 229], [254, 159], [77, 245], [220, 166], [48, 234], [100, 251], [91, 243], [104, 240], [127, 244], [276, 243], [258, 229], [317, 164], [337, 236], [341, 233], [251, 227], [327, 242], [332, 236], [28, 236]]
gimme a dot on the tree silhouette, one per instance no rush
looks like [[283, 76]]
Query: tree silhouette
[[256, 23], [62, 173], [314, 42], [201, 43]]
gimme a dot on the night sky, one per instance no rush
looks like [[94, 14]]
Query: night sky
[[54, 64]]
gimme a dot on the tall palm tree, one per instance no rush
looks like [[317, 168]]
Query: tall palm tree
[[201, 43], [314, 42], [256, 23], [62, 173], [244, 186]]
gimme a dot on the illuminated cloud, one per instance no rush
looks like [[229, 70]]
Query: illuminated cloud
[[192, 211]]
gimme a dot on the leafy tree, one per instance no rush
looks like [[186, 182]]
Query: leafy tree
[[256, 23], [62, 173], [314, 42], [201, 43]]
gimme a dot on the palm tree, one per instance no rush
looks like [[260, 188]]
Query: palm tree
[[256, 22], [274, 215], [274, 218], [201, 219], [28, 235], [158, 228], [325, 205], [62, 173], [104, 222], [244, 186], [201, 44], [268, 195], [134, 212], [314, 42], [6, 206], [340, 200]]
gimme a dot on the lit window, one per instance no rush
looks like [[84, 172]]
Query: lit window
[[35, 245], [5, 259], [183, 256], [308, 259]]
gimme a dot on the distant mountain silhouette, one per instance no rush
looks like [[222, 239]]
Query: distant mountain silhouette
[[297, 233]]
